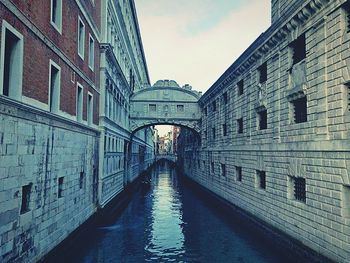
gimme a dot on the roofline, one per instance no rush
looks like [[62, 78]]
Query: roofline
[[134, 13]]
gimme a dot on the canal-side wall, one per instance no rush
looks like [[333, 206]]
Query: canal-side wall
[[56, 159], [255, 150]]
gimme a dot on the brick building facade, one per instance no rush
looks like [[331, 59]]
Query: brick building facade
[[275, 128]]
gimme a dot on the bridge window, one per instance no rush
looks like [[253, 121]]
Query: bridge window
[[240, 125], [300, 110], [152, 107], [240, 87], [261, 179], [224, 129], [262, 119], [180, 108], [298, 48], [25, 204], [239, 173], [262, 73]]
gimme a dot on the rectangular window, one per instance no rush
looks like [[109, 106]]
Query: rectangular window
[[56, 14], [239, 173], [262, 73], [79, 103], [223, 170], [90, 109], [299, 189], [240, 125], [347, 10], [55, 87], [81, 179], [81, 38], [348, 89], [205, 111], [152, 107], [225, 98], [298, 48], [224, 129], [261, 179], [60, 187], [25, 204], [240, 87], [262, 118], [212, 167], [300, 110], [91, 53], [11, 66], [214, 105], [214, 133], [180, 108]]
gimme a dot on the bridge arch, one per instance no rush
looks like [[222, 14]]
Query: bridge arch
[[165, 103]]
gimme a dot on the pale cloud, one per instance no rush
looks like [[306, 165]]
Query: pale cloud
[[195, 41]]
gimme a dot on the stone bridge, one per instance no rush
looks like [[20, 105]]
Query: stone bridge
[[168, 157], [165, 103]]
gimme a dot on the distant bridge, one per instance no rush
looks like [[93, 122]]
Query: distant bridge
[[168, 157]]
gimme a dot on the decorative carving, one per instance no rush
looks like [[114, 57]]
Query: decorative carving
[[261, 96], [298, 82]]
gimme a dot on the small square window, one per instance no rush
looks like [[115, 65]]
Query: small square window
[[262, 73], [152, 107], [300, 110], [239, 173], [240, 87], [26, 192], [261, 179], [180, 108], [262, 118], [60, 187], [240, 125]]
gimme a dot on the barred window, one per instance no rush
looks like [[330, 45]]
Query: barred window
[[214, 133], [300, 189], [261, 179], [262, 117], [300, 110], [60, 187], [225, 98], [298, 47], [240, 87], [25, 204], [262, 73], [239, 173], [240, 125], [223, 170], [224, 129]]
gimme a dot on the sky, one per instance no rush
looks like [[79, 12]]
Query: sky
[[195, 41]]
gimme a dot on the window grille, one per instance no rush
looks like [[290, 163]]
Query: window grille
[[299, 189]]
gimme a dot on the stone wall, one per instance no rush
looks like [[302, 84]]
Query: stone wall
[[37, 150], [289, 153]]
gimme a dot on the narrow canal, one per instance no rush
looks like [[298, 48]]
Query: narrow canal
[[167, 222]]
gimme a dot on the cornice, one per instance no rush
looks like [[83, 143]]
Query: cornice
[[265, 43]]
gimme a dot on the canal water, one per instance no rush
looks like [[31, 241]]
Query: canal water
[[168, 222]]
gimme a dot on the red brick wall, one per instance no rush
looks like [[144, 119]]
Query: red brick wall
[[37, 54]]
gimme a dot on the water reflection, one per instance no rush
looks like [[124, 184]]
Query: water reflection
[[167, 222]]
